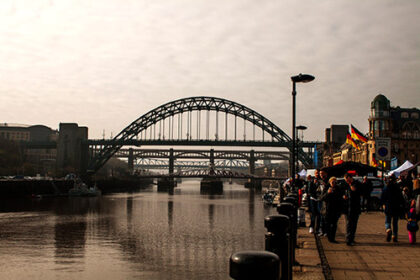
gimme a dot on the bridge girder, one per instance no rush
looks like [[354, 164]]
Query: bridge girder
[[190, 104]]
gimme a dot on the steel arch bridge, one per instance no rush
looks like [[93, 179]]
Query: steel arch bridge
[[188, 105]]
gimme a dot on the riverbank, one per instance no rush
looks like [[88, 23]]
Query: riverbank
[[60, 187]]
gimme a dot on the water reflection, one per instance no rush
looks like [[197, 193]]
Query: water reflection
[[147, 235]]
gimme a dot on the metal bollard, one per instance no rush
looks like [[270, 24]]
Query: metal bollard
[[277, 240], [254, 265], [288, 209]]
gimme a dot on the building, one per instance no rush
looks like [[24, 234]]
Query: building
[[38, 146], [335, 137], [400, 125], [14, 132], [72, 156]]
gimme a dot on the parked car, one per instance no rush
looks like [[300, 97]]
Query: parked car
[[378, 185]]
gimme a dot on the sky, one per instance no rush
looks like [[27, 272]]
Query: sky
[[103, 64]]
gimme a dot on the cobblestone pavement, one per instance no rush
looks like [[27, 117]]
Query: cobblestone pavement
[[372, 257], [308, 257]]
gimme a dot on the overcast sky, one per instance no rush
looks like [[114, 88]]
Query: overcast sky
[[105, 63]]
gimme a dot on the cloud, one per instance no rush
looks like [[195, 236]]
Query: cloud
[[104, 64]]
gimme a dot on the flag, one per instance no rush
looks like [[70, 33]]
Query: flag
[[350, 141], [374, 162], [355, 134]]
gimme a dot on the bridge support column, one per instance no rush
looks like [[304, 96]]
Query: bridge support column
[[211, 186], [168, 184], [212, 158], [130, 161], [171, 161], [252, 183], [252, 162]]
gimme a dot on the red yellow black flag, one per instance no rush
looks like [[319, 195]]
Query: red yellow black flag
[[350, 141], [356, 134]]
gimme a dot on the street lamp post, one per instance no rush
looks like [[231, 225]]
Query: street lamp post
[[301, 128], [301, 78]]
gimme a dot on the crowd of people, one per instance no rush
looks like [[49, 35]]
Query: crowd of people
[[328, 199]]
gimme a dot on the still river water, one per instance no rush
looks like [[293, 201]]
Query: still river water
[[143, 235]]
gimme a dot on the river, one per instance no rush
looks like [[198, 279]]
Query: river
[[143, 235]]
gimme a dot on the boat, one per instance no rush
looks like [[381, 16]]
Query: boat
[[269, 196], [81, 189]]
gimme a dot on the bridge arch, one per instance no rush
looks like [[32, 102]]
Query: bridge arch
[[189, 104]]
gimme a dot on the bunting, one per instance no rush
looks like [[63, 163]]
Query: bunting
[[350, 141], [357, 135]]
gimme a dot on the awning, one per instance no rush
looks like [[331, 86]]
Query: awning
[[405, 166]]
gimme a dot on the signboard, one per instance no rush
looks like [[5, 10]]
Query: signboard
[[394, 163], [383, 148]]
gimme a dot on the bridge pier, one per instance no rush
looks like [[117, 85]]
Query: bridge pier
[[130, 161], [171, 161], [166, 185], [211, 186], [254, 184]]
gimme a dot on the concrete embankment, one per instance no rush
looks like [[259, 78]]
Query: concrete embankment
[[57, 187], [24, 188]]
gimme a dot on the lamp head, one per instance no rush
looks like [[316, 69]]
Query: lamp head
[[301, 127], [302, 78]]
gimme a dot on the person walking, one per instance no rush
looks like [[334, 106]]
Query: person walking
[[367, 188], [416, 185], [412, 226], [313, 201], [333, 199], [322, 188], [352, 195], [393, 205]]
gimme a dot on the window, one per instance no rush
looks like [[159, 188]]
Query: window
[[414, 115], [404, 115]]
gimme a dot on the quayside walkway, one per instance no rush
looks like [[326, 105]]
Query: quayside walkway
[[371, 257]]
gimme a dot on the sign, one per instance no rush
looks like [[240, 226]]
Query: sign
[[383, 148], [394, 163]]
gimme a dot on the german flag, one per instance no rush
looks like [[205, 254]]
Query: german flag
[[355, 134], [374, 162], [350, 141]]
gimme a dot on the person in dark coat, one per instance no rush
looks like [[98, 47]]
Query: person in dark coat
[[367, 188], [352, 195], [393, 205], [333, 199], [322, 188]]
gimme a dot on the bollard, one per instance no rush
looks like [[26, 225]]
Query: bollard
[[288, 209], [277, 240], [254, 265], [291, 199]]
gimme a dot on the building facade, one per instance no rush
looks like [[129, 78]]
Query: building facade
[[37, 144], [14, 132], [400, 126]]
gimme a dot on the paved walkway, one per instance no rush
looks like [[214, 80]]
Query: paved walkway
[[371, 258]]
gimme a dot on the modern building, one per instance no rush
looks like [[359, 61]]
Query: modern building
[[335, 137], [72, 156]]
